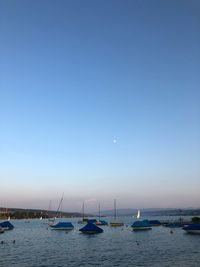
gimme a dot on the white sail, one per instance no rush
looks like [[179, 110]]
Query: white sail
[[138, 214]]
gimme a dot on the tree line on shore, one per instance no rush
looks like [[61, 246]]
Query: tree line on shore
[[33, 214]]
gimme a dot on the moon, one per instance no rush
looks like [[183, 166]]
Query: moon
[[114, 140]]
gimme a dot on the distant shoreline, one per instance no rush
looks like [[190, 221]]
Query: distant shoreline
[[18, 213]]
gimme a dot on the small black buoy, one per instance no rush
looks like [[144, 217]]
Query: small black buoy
[[171, 232], [14, 241], [2, 242]]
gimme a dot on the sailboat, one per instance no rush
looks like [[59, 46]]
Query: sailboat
[[61, 225], [100, 222], [192, 228], [91, 228], [84, 220], [50, 219], [115, 223], [140, 225], [138, 214]]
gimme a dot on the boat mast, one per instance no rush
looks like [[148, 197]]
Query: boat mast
[[60, 204], [99, 212], [49, 210], [83, 209], [115, 209]]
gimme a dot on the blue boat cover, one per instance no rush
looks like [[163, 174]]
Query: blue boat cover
[[144, 223], [195, 226], [154, 222], [90, 227], [63, 225], [7, 224]]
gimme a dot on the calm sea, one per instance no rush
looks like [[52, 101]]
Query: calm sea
[[37, 245]]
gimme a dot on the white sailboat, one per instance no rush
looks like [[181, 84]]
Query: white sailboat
[[138, 214]]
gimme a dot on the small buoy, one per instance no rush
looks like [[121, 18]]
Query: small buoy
[[2, 242], [171, 232], [13, 241]]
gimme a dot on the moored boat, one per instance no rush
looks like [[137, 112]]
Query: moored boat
[[84, 220], [62, 226], [141, 225], [192, 228], [91, 228], [92, 221], [101, 222], [6, 225], [115, 223]]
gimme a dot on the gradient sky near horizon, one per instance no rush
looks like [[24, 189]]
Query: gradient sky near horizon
[[100, 100]]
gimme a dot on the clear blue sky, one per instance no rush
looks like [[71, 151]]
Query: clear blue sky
[[100, 100]]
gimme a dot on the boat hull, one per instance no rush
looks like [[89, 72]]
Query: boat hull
[[192, 228], [116, 224], [90, 232], [141, 228], [101, 223], [193, 232], [62, 228]]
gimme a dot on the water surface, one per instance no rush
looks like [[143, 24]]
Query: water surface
[[37, 245]]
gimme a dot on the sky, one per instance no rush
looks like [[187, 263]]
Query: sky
[[100, 100]]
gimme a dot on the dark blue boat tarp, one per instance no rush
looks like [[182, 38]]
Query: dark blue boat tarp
[[144, 223], [63, 225], [6, 224], [90, 227], [195, 226]]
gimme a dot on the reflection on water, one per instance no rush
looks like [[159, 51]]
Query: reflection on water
[[37, 245]]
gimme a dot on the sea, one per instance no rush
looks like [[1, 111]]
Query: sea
[[36, 245]]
